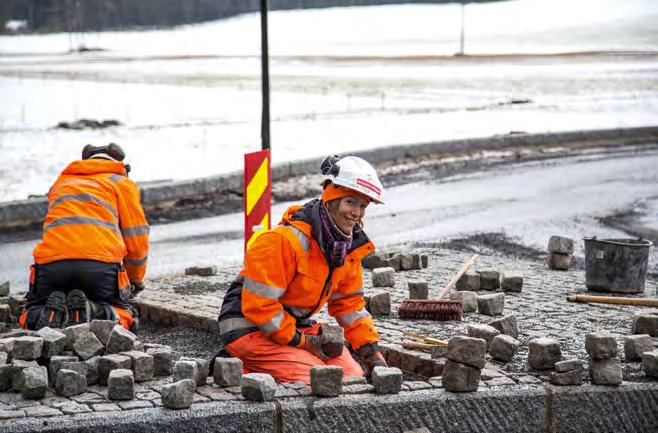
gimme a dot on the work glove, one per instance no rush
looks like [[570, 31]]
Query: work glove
[[135, 288], [372, 357], [313, 344]]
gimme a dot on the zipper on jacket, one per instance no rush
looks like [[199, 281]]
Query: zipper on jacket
[[325, 289]]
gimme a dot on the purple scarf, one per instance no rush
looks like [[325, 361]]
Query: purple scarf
[[336, 243]]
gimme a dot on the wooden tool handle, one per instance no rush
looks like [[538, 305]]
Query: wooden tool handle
[[646, 302], [426, 339], [417, 346], [457, 276]]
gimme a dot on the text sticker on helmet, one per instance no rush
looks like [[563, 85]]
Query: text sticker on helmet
[[368, 185]]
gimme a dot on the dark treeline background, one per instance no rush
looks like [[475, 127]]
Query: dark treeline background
[[89, 15]]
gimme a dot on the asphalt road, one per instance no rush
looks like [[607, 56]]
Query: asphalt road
[[526, 202]]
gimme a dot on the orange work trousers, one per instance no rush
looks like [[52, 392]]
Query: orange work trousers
[[285, 363]]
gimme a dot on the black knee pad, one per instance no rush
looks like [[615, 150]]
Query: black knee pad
[[104, 311], [33, 316]]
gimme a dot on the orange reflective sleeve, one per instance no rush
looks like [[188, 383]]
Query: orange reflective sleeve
[[269, 267], [348, 306], [134, 230]]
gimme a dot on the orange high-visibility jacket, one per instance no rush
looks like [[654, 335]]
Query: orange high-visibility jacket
[[94, 213], [285, 278]]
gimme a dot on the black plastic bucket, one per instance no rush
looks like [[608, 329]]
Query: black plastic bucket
[[616, 265]]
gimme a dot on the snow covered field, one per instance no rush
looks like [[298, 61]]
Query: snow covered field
[[188, 98]]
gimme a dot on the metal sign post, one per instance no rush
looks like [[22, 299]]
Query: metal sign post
[[265, 71]]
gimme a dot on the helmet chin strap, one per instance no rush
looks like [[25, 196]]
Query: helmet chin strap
[[333, 223]]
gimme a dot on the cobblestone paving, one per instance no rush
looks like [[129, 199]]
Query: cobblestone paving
[[541, 309]]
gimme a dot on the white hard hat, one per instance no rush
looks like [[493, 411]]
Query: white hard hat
[[354, 173]]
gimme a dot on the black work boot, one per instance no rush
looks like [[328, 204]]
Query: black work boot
[[53, 313], [77, 307]]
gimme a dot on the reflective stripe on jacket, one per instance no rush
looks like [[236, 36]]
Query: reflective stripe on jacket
[[286, 277], [94, 213]]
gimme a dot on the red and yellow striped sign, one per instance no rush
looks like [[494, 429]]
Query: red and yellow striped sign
[[257, 195]]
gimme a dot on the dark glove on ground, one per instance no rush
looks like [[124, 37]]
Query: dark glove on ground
[[313, 344], [372, 357], [135, 288]]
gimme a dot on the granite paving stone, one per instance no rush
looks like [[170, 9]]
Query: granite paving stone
[[227, 371], [121, 385], [70, 382], [467, 350], [507, 325], [105, 407], [470, 281], [601, 345], [383, 277], [34, 382], [469, 300], [41, 411], [27, 348], [102, 329], [489, 279], [111, 362], [326, 380], [142, 365], [73, 333], [605, 371], [163, 360], [87, 346], [636, 345], [504, 347], [387, 380], [120, 340], [650, 363], [54, 342], [458, 377], [73, 408], [485, 332], [203, 369], [257, 387]]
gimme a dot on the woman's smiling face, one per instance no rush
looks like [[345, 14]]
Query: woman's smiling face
[[349, 212]]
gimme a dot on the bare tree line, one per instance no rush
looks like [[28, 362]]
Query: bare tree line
[[92, 15]]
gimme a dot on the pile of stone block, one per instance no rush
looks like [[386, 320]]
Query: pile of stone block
[[491, 280], [560, 251], [491, 304], [604, 364], [399, 261], [465, 360], [71, 359]]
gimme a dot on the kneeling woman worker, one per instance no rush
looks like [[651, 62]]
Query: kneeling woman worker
[[312, 258]]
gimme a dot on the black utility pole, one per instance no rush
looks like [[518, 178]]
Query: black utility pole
[[265, 71]]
